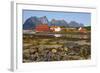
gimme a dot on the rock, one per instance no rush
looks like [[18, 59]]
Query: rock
[[25, 61], [32, 50], [36, 54], [54, 50], [26, 55], [58, 57], [65, 57], [26, 51], [32, 57], [40, 49], [49, 54], [61, 49], [66, 49]]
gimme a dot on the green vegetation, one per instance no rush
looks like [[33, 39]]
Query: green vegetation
[[88, 28]]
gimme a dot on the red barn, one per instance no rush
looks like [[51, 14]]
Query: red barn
[[42, 28]]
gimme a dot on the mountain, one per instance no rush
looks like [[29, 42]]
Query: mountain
[[31, 22], [64, 23], [75, 24], [59, 23], [44, 20]]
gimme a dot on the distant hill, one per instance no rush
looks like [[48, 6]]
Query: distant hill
[[75, 24], [59, 23], [31, 23], [43, 20]]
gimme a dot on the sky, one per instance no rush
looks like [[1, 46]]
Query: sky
[[84, 18]]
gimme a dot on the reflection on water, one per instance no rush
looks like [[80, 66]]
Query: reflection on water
[[84, 36], [57, 35]]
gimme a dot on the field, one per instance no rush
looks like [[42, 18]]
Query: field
[[51, 46]]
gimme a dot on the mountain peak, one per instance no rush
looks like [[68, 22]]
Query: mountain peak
[[31, 22]]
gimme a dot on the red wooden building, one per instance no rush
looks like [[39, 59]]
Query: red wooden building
[[42, 28]]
